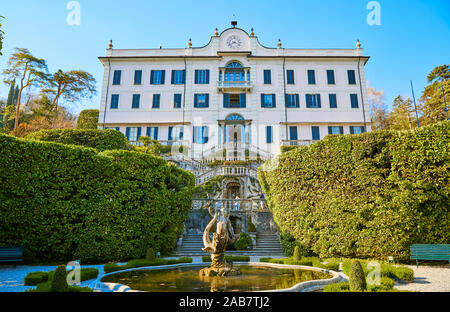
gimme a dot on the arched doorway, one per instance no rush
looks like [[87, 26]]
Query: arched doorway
[[233, 190]]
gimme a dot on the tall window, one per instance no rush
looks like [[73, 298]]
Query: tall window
[[330, 76], [133, 133], [117, 77], [333, 100], [267, 76], [290, 77], [152, 132], [201, 100], [202, 76], [311, 76], [313, 101], [178, 76], [200, 135], [357, 129], [157, 77], [293, 134], [292, 100], [136, 101], [156, 101], [177, 100], [335, 130], [268, 100], [315, 133], [138, 77], [351, 77], [176, 133], [354, 100], [234, 100], [114, 101], [269, 134]]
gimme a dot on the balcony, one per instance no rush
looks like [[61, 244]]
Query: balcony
[[224, 86]]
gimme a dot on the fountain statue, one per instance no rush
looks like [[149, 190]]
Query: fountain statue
[[224, 234]]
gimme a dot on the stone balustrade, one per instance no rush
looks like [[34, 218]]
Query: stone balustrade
[[238, 205]]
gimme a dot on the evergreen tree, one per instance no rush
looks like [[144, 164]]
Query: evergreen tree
[[16, 96], [402, 116], [433, 106], [10, 99]]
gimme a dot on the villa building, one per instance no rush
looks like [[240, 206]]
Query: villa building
[[234, 97]]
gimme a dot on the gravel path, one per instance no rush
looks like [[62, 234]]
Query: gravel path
[[428, 279]]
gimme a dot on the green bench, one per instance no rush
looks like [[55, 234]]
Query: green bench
[[430, 252], [11, 254]]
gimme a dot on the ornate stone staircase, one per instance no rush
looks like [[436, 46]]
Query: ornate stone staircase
[[267, 245]]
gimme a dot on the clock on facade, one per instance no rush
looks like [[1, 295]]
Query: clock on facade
[[234, 42]]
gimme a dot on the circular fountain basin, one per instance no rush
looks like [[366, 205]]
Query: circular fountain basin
[[255, 276]]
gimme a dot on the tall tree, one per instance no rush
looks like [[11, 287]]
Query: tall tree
[[10, 99], [433, 106], [1, 35], [71, 86], [378, 111], [29, 70], [402, 115]]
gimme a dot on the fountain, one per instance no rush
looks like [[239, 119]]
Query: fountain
[[223, 235]]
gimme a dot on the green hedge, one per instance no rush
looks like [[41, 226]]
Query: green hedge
[[88, 119], [35, 278], [369, 196], [101, 140], [137, 263], [64, 202]]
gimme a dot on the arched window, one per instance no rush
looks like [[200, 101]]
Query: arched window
[[234, 64], [234, 117]]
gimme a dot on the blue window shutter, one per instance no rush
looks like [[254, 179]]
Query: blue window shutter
[[262, 100], [319, 104], [196, 76], [352, 131], [354, 100], [173, 77], [195, 100], [242, 100], [274, 104], [163, 76], [148, 131], [169, 138], [315, 133], [330, 130], [207, 100], [297, 99], [308, 100], [268, 134], [341, 130], [155, 133], [152, 76], [363, 129], [127, 133], [207, 76], [139, 132], [286, 100], [184, 76], [226, 100]]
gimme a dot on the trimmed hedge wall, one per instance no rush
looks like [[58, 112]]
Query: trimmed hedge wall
[[64, 202], [101, 140], [88, 119], [368, 195]]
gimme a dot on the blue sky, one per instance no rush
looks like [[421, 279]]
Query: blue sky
[[412, 39]]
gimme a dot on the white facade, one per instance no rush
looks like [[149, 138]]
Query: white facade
[[248, 128]]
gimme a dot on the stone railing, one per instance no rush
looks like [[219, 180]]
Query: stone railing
[[237, 205], [227, 171]]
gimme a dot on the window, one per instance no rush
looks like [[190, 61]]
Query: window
[[292, 100], [351, 77], [293, 134], [313, 101], [112, 128], [152, 132], [268, 100], [202, 76], [200, 135], [201, 100], [114, 101], [311, 76], [156, 101], [333, 100], [335, 130], [330, 76], [157, 77], [117, 77], [269, 134], [136, 101], [133, 133], [234, 100], [176, 133], [354, 100], [138, 77], [177, 101], [290, 77], [178, 76], [315, 133], [267, 76], [357, 129]]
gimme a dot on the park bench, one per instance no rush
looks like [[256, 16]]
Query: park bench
[[430, 252], [11, 254]]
